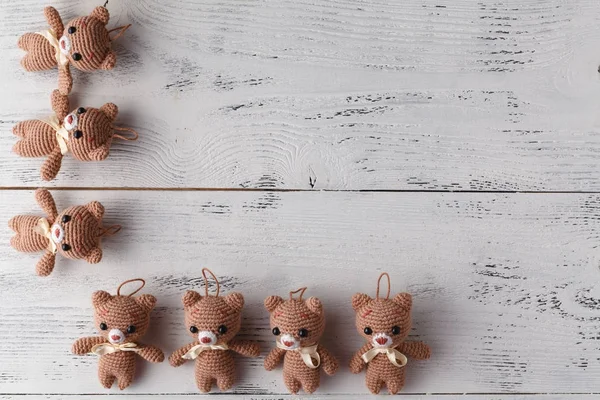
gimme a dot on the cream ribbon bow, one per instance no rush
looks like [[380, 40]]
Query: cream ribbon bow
[[43, 228], [109, 348], [49, 34], [195, 351], [308, 354], [62, 134], [392, 354]]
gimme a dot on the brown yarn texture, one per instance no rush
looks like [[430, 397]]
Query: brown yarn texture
[[81, 226], [207, 314], [89, 39], [120, 313], [89, 139], [289, 317], [381, 315]]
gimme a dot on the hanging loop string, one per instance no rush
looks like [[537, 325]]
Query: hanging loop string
[[387, 296], [105, 4], [204, 271], [134, 134], [121, 30], [301, 291], [129, 281], [111, 230]]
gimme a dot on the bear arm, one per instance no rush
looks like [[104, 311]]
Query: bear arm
[[151, 353], [60, 104], [52, 165], [416, 350], [357, 364], [46, 203], [45, 266], [328, 361], [65, 81], [54, 20], [84, 345], [176, 359], [274, 358], [246, 348]]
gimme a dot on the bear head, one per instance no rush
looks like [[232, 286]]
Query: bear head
[[122, 319], [86, 42], [385, 323], [213, 320], [296, 323], [76, 232], [91, 131]]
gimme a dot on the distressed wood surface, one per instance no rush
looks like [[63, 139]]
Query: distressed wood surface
[[345, 95], [504, 284]]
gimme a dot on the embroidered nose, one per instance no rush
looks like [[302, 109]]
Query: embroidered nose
[[205, 340], [381, 340], [63, 45], [288, 344], [70, 119], [115, 337]]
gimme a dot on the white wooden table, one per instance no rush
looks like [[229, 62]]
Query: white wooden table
[[454, 144]]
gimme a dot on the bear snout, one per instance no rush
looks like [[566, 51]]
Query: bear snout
[[115, 336]]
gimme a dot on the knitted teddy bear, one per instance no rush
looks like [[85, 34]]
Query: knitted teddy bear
[[85, 132], [213, 322], [385, 323], [75, 233], [121, 322], [298, 325], [84, 43]]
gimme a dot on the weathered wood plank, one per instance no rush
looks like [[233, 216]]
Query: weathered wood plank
[[322, 396], [427, 95], [503, 284]]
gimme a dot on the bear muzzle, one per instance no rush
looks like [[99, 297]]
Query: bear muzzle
[[381, 340], [207, 337], [289, 342], [58, 233], [65, 45], [115, 336]]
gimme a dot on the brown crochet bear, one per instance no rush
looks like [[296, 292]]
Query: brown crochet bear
[[85, 132], [121, 322], [75, 233], [385, 323], [85, 43], [213, 322], [298, 325]]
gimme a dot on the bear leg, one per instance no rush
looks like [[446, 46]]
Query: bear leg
[[40, 56], [374, 384], [125, 380], [310, 386], [225, 381], [292, 383], [19, 129], [204, 383], [26, 240], [394, 386], [106, 378]]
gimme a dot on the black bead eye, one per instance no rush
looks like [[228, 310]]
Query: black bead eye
[[80, 110], [66, 218], [77, 134], [193, 329], [130, 329], [276, 331], [222, 329], [103, 326], [396, 330], [72, 30], [76, 56], [302, 332], [66, 247], [368, 331]]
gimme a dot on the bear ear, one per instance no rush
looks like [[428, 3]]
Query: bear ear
[[101, 14], [109, 61], [190, 298], [96, 208], [100, 298], [404, 300], [272, 302], [359, 300], [235, 301], [110, 110], [147, 301], [95, 256], [314, 305]]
